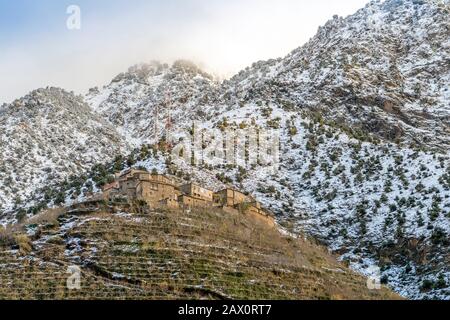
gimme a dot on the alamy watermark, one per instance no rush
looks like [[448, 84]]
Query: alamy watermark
[[74, 20], [74, 280], [374, 278], [247, 148]]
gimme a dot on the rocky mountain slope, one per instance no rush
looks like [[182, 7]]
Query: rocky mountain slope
[[148, 92], [363, 115], [375, 206], [363, 109], [49, 135], [343, 102], [385, 70]]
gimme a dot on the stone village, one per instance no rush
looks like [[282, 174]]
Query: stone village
[[160, 191]]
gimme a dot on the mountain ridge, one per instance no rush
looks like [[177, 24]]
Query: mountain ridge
[[41, 132], [363, 168]]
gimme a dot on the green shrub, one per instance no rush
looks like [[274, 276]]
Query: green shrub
[[427, 285]]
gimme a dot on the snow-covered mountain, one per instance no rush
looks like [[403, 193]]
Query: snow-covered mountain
[[363, 111], [134, 99], [46, 136], [358, 107], [385, 69]]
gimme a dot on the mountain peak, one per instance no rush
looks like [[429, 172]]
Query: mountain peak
[[383, 69], [49, 95], [144, 72], [190, 68]]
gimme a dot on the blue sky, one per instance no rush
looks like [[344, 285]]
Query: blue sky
[[222, 36], [24, 18]]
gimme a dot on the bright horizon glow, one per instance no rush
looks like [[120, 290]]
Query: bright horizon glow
[[221, 36]]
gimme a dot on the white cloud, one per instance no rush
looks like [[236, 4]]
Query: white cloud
[[223, 36]]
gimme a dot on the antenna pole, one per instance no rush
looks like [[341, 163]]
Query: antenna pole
[[169, 116], [156, 122]]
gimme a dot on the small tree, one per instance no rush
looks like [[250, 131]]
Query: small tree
[[21, 215]]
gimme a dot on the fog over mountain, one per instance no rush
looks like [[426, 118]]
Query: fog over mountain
[[217, 35]]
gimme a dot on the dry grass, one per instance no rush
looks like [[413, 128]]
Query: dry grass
[[6, 236], [24, 243], [49, 216], [182, 255]]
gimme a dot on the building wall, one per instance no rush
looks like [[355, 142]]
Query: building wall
[[131, 173], [114, 185], [196, 191], [220, 198], [230, 210], [261, 214], [153, 192], [191, 202], [144, 175], [128, 188], [158, 190], [109, 193], [261, 217], [170, 203], [239, 197], [230, 197], [160, 178]]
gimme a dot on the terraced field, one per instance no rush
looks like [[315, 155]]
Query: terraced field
[[204, 254]]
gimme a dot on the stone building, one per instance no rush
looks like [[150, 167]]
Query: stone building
[[153, 191], [230, 198], [111, 189], [142, 185], [187, 201], [170, 203], [196, 191], [255, 209], [161, 191]]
